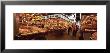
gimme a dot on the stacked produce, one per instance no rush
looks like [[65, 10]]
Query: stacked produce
[[56, 23], [89, 23], [30, 23]]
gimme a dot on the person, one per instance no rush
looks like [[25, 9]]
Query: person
[[81, 35], [76, 27]]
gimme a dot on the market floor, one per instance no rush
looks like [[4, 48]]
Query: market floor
[[65, 36], [62, 36]]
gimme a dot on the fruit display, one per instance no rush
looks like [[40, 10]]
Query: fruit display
[[27, 22], [56, 23], [30, 23], [89, 23]]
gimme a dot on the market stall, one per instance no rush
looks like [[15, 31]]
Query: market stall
[[35, 25], [88, 25], [42, 26]]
